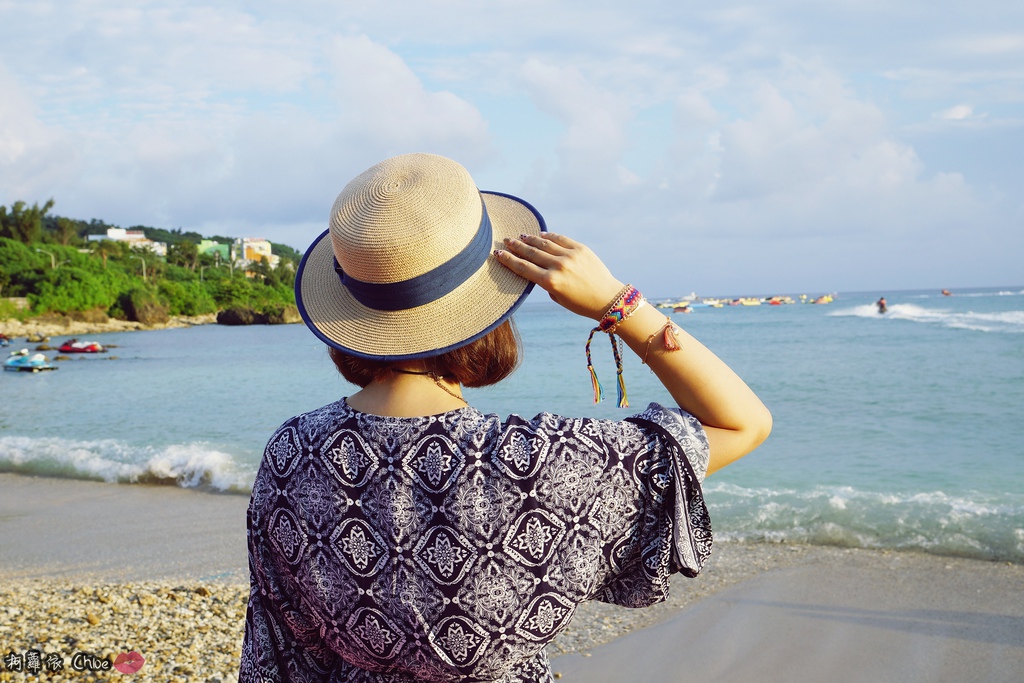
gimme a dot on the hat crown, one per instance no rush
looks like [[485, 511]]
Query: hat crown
[[404, 217]]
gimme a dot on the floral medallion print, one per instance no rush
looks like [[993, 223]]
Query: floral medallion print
[[459, 640], [359, 547], [444, 555], [375, 633], [520, 454], [436, 462], [283, 451], [534, 536], [545, 616], [348, 458], [454, 547], [286, 535]]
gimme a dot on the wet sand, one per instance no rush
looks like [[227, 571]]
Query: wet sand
[[841, 616], [103, 568]]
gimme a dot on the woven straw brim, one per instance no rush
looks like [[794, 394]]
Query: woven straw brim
[[473, 309]]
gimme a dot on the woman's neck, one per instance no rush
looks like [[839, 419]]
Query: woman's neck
[[411, 393]]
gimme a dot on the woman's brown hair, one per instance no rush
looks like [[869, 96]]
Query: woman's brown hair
[[483, 362]]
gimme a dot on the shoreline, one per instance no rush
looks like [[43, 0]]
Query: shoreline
[[68, 327], [100, 568]]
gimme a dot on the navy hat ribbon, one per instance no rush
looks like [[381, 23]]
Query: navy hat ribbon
[[430, 286]]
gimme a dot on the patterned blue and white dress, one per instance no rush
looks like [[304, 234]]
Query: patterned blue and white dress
[[454, 547]]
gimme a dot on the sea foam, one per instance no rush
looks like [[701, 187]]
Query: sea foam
[[192, 465], [1003, 321], [983, 526]]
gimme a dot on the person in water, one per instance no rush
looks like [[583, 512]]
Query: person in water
[[882, 307], [401, 535]]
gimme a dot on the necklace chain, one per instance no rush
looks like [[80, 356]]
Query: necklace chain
[[434, 376]]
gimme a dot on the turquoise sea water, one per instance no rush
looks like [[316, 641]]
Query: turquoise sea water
[[899, 431]]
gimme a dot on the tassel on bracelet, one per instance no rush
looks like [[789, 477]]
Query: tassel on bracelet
[[670, 339], [628, 301]]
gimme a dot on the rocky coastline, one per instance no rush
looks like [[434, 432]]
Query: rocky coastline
[[69, 326], [79, 324]]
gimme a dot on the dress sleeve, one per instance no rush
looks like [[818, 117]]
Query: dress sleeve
[[274, 647], [283, 641], [674, 534]]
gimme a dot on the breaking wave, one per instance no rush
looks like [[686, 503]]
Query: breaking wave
[[976, 525], [1003, 321], [192, 465]]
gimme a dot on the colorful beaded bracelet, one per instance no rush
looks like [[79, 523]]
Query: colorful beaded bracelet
[[628, 302]]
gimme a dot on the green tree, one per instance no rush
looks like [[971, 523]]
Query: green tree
[[261, 270], [142, 304], [285, 273], [184, 254], [186, 298], [104, 249], [285, 252], [232, 292], [70, 289], [22, 223], [22, 266], [67, 231]]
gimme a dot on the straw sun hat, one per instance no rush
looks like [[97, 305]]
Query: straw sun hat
[[405, 270]]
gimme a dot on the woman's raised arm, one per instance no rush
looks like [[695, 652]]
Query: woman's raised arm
[[735, 419]]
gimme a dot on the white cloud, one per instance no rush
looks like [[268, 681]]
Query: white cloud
[[34, 157], [208, 123], [964, 113], [739, 130], [808, 162], [591, 148], [382, 103], [958, 113], [988, 44]]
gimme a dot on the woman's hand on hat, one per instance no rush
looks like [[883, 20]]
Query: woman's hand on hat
[[571, 274]]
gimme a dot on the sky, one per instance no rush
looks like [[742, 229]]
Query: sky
[[719, 148]]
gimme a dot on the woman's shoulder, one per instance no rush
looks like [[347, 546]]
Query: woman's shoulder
[[655, 412], [552, 425], [313, 422], [315, 425]]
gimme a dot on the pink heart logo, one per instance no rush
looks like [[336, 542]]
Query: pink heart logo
[[129, 662]]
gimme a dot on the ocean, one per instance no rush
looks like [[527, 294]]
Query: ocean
[[900, 431]]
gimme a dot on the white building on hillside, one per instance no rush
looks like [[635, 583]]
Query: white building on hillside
[[136, 239]]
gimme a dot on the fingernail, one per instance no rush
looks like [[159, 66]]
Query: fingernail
[[523, 236], [498, 252]]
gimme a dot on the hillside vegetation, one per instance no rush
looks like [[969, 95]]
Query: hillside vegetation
[[49, 261]]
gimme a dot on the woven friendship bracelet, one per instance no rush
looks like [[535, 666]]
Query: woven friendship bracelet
[[628, 302]]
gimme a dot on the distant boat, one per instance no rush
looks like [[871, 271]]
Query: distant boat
[[22, 361], [75, 346]]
